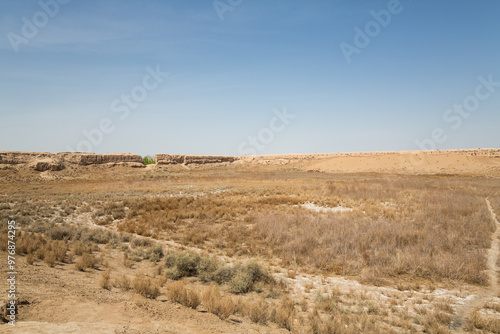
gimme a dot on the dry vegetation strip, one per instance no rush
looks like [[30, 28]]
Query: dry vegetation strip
[[422, 227], [401, 229]]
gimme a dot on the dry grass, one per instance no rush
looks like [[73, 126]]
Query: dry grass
[[437, 322], [223, 307], [86, 261], [257, 312], [445, 245], [105, 281], [193, 299], [146, 286], [284, 315], [416, 227], [178, 293], [404, 231], [478, 321], [50, 258], [30, 258], [493, 306], [123, 282]]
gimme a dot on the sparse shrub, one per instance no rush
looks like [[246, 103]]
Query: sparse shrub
[[445, 306], [155, 253], [437, 322], [30, 258], [328, 302], [482, 322], [207, 267], [241, 278], [137, 254], [80, 248], [70, 257], [146, 287], [182, 264], [50, 258], [126, 261], [123, 282], [59, 248], [284, 315], [105, 281], [176, 292], [60, 232], [304, 305], [86, 261], [193, 299], [140, 242], [257, 312], [215, 304], [246, 276], [98, 236], [224, 274], [118, 214], [241, 283]]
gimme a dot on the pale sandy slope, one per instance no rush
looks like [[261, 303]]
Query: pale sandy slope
[[473, 162]]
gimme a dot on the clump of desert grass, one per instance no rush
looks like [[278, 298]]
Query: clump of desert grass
[[241, 278], [86, 261], [105, 281], [223, 307], [483, 323], [177, 292], [146, 286]]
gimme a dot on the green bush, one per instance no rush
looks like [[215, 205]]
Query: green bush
[[153, 253], [207, 268], [241, 282], [246, 276], [148, 160], [61, 232], [182, 264], [97, 236], [225, 274], [140, 242]]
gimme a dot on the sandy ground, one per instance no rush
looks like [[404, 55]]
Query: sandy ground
[[474, 162], [64, 300]]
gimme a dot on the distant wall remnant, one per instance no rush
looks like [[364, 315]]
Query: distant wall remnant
[[96, 159], [179, 159], [56, 161]]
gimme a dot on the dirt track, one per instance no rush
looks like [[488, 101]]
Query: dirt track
[[494, 289]]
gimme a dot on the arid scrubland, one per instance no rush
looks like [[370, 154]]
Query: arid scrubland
[[409, 255]]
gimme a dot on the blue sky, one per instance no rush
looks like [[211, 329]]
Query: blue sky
[[233, 68]]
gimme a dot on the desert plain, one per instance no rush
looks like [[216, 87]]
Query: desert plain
[[376, 242]]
